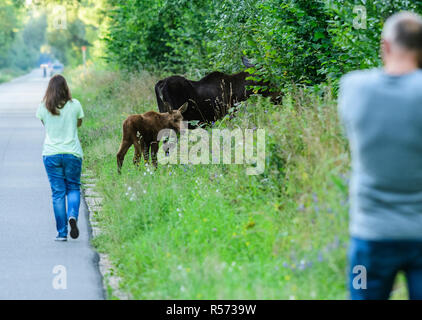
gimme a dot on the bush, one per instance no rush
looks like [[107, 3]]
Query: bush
[[291, 41]]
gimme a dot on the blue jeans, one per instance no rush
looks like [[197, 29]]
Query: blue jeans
[[381, 261], [64, 174]]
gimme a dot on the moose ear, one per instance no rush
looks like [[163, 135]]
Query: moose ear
[[246, 62], [168, 107], [183, 108]]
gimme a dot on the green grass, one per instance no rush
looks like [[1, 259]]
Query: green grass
[[8, 74], [212, 231]]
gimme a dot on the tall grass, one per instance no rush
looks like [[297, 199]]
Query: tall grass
[[212, 231]]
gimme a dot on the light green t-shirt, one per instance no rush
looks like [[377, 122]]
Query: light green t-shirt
[[62, 131]]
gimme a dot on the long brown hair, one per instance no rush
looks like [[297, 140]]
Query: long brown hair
[[57, 94]]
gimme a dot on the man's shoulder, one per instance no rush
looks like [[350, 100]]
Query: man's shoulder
[[360, 77]]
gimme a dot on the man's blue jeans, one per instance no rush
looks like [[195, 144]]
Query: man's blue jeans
[[64, 174], [375, 264]]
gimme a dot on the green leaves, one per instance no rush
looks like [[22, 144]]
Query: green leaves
[[302, 41]]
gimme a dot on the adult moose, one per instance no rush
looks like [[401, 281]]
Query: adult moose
[[210, 98]]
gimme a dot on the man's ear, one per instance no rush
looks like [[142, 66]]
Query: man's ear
[[183, 108], [385, 47]]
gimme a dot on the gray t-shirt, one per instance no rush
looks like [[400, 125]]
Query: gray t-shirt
[[382, 116]]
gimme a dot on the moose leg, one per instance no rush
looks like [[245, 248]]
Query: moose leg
[[154, 151], [146, 147], [138, 152], [124, 147]]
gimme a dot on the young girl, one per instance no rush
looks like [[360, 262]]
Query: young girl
[[62, 153]]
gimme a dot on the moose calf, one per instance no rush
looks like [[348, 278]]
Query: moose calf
[[142, 130]]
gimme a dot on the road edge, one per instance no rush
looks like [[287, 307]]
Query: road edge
[[93, 201]]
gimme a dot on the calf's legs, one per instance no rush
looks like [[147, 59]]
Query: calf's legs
[[139, 150], [124, 147], [154, 151]]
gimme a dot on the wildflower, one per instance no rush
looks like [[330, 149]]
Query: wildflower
[[214, 229], [287, 277], [179, 267], [251, 224]]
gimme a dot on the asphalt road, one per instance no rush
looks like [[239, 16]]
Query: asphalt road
[[32, 264]]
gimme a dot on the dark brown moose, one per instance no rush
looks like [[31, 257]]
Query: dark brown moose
[[210, 98], [142, 130]]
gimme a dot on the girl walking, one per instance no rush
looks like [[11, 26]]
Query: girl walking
[[62, 153]]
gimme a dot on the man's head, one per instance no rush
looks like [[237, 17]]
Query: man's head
[[402, 42]]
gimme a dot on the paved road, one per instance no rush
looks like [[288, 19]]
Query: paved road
[[28, 254]]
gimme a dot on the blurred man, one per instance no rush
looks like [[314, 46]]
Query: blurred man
[[381, 110]]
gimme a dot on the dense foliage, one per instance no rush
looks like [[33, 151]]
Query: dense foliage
[[9, 24], [301, 41], [32, 32]]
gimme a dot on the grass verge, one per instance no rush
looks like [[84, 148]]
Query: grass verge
[[8, 74], [212, 231]]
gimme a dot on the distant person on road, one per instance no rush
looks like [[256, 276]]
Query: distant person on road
[[381, 110], [62, 153], [44, 69]]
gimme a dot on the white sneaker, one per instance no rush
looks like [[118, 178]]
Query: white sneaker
[[60, 239]]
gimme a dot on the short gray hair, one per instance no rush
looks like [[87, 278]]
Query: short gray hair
[[404, 29]]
